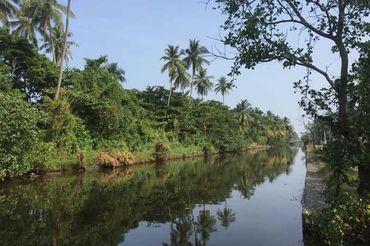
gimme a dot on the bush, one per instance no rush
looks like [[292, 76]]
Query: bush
[[207, 149], [345, 222], [161, 151], [19, 135], [61, 125], [113, 158], [39, 155]]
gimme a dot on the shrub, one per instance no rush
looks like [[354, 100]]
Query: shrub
[[161, 151], [207, 149], [39, 155], [345, 222], [61, 125], [113, 158], [19, 134]]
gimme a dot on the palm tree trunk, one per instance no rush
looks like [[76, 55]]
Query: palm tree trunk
[[223, 99], [192, 83], [169, 96], [63, 51], [52, 45]]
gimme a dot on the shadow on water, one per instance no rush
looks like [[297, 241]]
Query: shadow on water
[[186, 202]]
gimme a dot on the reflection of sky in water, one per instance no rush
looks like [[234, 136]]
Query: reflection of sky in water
[[272, 216], [135, 206]]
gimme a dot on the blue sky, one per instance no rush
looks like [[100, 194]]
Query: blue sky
[[134, 33]]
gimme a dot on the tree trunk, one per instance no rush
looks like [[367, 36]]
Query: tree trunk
[[63, 52], [364, 179], [169, 96], [192, 83], [52, 45], [343, 112]]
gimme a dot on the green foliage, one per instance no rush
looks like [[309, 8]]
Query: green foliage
[[345, 222], [60, 125], [161, 151], [5, 78], [31, 72], [19, 134], [95, 112]]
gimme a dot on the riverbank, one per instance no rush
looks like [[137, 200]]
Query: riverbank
[[70, 164], [313, 199]]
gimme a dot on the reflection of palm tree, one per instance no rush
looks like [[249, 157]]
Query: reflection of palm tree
[[226, 217], [205, 225], [246, 187], [180, 235]]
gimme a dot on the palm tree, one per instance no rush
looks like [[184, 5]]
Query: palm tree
[[203, 83], [46, 13], [116, 71], [8, 8], [224, 87], [175, 67], [57, 39], [24, 26], [63, 50], [195, 59], [242, 110]]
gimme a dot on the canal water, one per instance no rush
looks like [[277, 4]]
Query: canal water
[[247, 199]]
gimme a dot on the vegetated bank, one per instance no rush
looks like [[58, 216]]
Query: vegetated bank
[[97, 121], [332, 215]]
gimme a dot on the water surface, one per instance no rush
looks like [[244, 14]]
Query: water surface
[[248, 199]]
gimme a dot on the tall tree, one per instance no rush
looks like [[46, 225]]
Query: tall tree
[[224, 87], [263, 31], [8, 9], [174, 65], [203, 83], [47, 14], [54, 44], [242, 110], [195, 59], [63, 51]]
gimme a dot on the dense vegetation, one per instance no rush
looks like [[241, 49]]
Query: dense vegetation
[[96, 116], [264, 31]]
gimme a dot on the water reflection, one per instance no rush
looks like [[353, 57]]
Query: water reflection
[[100, 208]]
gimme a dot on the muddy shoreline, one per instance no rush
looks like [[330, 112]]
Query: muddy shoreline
[[313, 198]]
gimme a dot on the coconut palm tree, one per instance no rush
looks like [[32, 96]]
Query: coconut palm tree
[[61, 65], [224, 87], [24, 26], [242, 111], [203, 83], [57, 39], [8, 8], [175, 67], [195, 59], [116, 71], [47, 14]]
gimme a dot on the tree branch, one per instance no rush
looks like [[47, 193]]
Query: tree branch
[[307, 24]]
